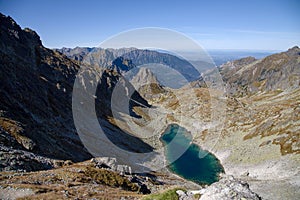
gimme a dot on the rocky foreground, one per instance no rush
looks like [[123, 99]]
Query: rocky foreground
[[103, 178], [99, 178]]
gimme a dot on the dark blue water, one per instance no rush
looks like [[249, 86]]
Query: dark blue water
[[202, 170]]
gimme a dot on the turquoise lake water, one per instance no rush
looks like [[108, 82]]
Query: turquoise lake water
[[189, 165]]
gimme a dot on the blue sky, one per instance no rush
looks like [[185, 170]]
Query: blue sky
[[231, 24]]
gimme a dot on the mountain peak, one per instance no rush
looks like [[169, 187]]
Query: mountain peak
[[12, 33], [238, 63], [147, 84], [294, 48], [294, 51], [143, 77]]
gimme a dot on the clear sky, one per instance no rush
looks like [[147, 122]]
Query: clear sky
[[223, 24]]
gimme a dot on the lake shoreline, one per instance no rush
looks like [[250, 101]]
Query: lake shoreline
[[211, 162]]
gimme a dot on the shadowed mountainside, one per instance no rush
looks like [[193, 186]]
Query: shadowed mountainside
[[36, 117], [36, 88]]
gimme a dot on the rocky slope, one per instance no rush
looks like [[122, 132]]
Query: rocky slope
[[277, 72], [259, 141], [98, 178], [36, 85], [147, 84]]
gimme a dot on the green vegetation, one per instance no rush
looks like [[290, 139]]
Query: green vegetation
[[167, 195], [197, 196], [109, 178]]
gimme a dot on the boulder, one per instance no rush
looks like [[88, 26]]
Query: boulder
[[111, 163], [229, 188]]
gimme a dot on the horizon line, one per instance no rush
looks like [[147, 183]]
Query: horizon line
[[207, 49]]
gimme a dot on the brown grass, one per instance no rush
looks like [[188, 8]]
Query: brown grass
[[81, 180]]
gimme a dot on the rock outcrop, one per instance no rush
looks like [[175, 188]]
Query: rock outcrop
[[228, 188], [111, 163], [145, 82]]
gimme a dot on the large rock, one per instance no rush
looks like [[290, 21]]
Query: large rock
[[111, 163], [229, 188]]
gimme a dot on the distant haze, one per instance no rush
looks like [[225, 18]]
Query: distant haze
[[256, 24]]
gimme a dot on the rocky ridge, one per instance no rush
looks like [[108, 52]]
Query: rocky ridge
[[276, 72], [125, 59]]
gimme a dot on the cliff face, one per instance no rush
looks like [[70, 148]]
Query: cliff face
[[35, 88]]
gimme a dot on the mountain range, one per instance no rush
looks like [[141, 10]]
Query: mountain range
[[125, 59], [257, 144]]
